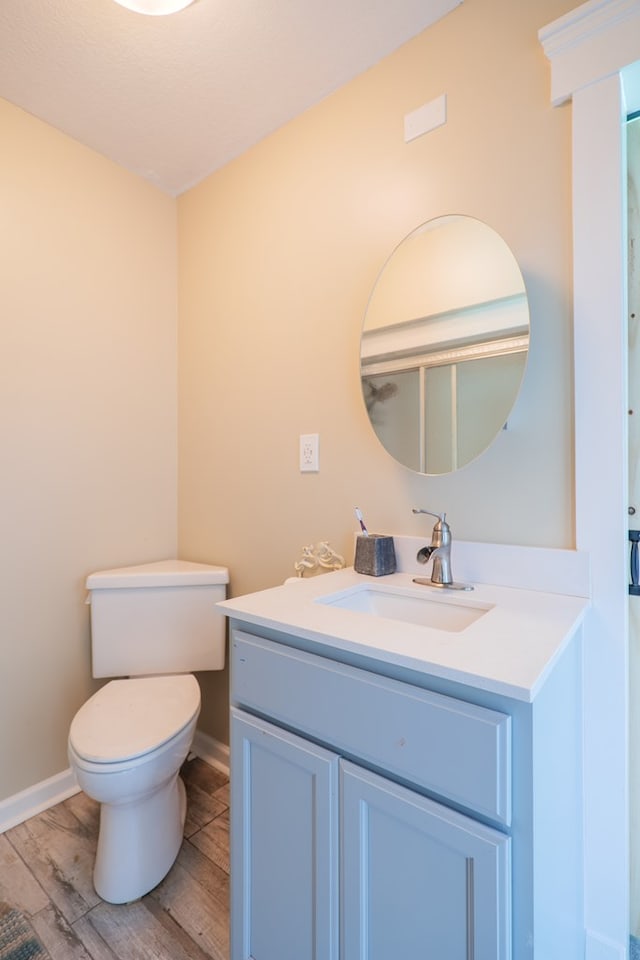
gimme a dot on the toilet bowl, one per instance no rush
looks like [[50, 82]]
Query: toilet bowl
[[126, 746], [155, 624]]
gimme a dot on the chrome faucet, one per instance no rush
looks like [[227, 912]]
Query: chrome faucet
[[440, 550]]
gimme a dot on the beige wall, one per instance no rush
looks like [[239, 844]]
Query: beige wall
[[87, 416], [277, 255]]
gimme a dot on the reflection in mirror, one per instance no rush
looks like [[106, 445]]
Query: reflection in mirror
[[444, 344]]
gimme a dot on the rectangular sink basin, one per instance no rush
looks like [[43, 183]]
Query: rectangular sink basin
[[410, 606]]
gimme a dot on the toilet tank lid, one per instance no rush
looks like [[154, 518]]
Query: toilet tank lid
[[162, 573]]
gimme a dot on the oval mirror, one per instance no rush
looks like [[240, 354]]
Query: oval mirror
[[444, 344]]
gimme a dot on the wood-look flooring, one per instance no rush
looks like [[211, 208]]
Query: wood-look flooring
[[46, 866]]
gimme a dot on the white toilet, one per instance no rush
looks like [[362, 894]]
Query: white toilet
[[152, 624]]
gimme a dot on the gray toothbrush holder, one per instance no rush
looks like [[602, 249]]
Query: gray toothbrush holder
[[375, 555]]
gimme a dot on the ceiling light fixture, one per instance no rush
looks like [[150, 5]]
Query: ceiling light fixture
[[155, 8]]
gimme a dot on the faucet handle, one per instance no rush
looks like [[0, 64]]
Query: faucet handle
[[439, 516]]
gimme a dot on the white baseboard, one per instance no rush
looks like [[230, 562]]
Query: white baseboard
[[212, 751], [48, 793], [35, 799]]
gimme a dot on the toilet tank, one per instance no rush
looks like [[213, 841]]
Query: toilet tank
[[157, 618]]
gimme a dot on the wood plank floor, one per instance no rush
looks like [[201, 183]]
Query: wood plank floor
[[46, 866]]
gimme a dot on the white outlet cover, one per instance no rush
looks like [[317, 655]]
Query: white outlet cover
[[309, 453]]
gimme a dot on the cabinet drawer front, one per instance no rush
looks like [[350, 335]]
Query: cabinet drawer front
[[457, 750]]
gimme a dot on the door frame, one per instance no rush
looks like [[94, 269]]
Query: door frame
[[592, 52]]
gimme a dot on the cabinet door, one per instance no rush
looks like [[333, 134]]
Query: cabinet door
[[419, 880], [284, 845]]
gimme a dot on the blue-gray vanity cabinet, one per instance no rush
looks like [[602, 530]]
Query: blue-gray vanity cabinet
[[407, 876], [334, 855]]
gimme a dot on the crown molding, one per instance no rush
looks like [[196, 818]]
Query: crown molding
[[597, 39]]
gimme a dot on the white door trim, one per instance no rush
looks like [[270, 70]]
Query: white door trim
[[589, 50]]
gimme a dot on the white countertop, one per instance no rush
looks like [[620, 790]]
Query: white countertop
[[509, 650]]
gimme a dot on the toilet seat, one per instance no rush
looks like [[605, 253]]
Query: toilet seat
[[126, 719]]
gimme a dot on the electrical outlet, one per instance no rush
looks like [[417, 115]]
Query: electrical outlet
[[309, 453]]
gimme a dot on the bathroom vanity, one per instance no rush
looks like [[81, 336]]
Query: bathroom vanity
[[406, 778]]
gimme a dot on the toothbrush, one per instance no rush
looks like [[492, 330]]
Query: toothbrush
[[361, 522]]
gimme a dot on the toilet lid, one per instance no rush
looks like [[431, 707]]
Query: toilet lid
[[128, 718]]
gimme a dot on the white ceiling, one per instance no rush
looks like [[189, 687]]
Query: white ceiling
[[175, 98]]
